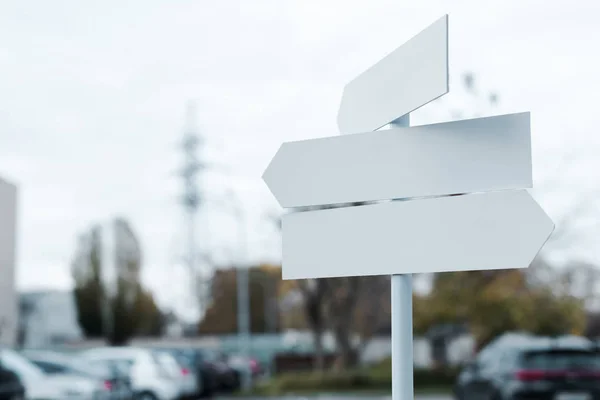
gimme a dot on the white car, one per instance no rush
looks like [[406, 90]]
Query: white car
[[149, 380], [185, 379], [115, 386], [40, 386]]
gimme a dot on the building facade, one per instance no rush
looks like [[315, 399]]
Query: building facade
[[49, 319], [8, 244]]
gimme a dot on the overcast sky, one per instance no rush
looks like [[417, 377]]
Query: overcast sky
[[93, 95]]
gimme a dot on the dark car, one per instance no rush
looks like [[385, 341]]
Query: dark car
[[115, 381], [212, 368], [207, 377], [540, 369], [11, 387], [228, 377]]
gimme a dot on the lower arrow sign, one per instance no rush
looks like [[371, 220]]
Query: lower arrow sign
[[495, 230]]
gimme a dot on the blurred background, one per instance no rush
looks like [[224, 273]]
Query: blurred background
[[135, 229]]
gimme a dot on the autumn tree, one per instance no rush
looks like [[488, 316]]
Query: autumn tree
[[493, 302], [221, 315], [356, 307]]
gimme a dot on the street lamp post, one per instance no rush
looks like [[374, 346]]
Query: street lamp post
[[242, 280]]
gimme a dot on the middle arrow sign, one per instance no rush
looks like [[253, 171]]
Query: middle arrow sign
[[477, 155]]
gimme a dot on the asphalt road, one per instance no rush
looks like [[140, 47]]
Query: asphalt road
[[327, 397]]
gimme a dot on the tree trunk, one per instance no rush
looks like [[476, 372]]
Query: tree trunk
[[315, 319], [313, 309], [347, 355], [340, 312], [319, 361]]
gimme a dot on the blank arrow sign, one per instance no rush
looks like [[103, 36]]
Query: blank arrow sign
[[477, 155], [408, 78], [497, 230]]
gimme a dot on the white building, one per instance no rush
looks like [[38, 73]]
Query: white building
[[50, 319], [8, 243]]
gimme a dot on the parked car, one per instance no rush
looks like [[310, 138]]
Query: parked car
[[241, 363], [116, 385], [534, 368], [40, 386], [227, 378], [11, 387], [206, 374], [187, 382], [149, 380]]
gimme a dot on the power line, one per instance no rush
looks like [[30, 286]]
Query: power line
[[191, 144]]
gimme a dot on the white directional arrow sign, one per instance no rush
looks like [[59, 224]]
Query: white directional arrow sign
[[456, 157], [496, 230], [408, 78], [493, 224]]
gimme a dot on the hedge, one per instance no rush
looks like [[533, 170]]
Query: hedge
[[376, 378]]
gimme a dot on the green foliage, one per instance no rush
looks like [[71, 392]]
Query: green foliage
[[145, 320], [88, 290], [133, 310], [493, 302], [381, 374], [89, 312]]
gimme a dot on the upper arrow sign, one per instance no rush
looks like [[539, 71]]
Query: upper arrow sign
[[476, 155], [496, 230], [408, 78]]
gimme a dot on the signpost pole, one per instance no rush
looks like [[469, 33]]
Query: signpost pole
[[402, 325], [402, 338]]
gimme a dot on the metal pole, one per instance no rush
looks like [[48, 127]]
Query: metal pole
[[191, 201], [243, 324], [194, 273], [243, 300], [402, 325]]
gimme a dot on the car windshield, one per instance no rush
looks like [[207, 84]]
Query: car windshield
[[209, 355], [115, 363], [68, 364], [562, 360], [185, 358], [98, 369], [164, 362], [25, 369]]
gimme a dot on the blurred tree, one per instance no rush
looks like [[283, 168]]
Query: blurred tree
[[129, 310], [372, 314], [423, 315], [493, 302], [313, 295], [26, 308], [592, 326], [356, 308], [340, 303], [221, 315], [294, 318], [150, 320], [88, 291]]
